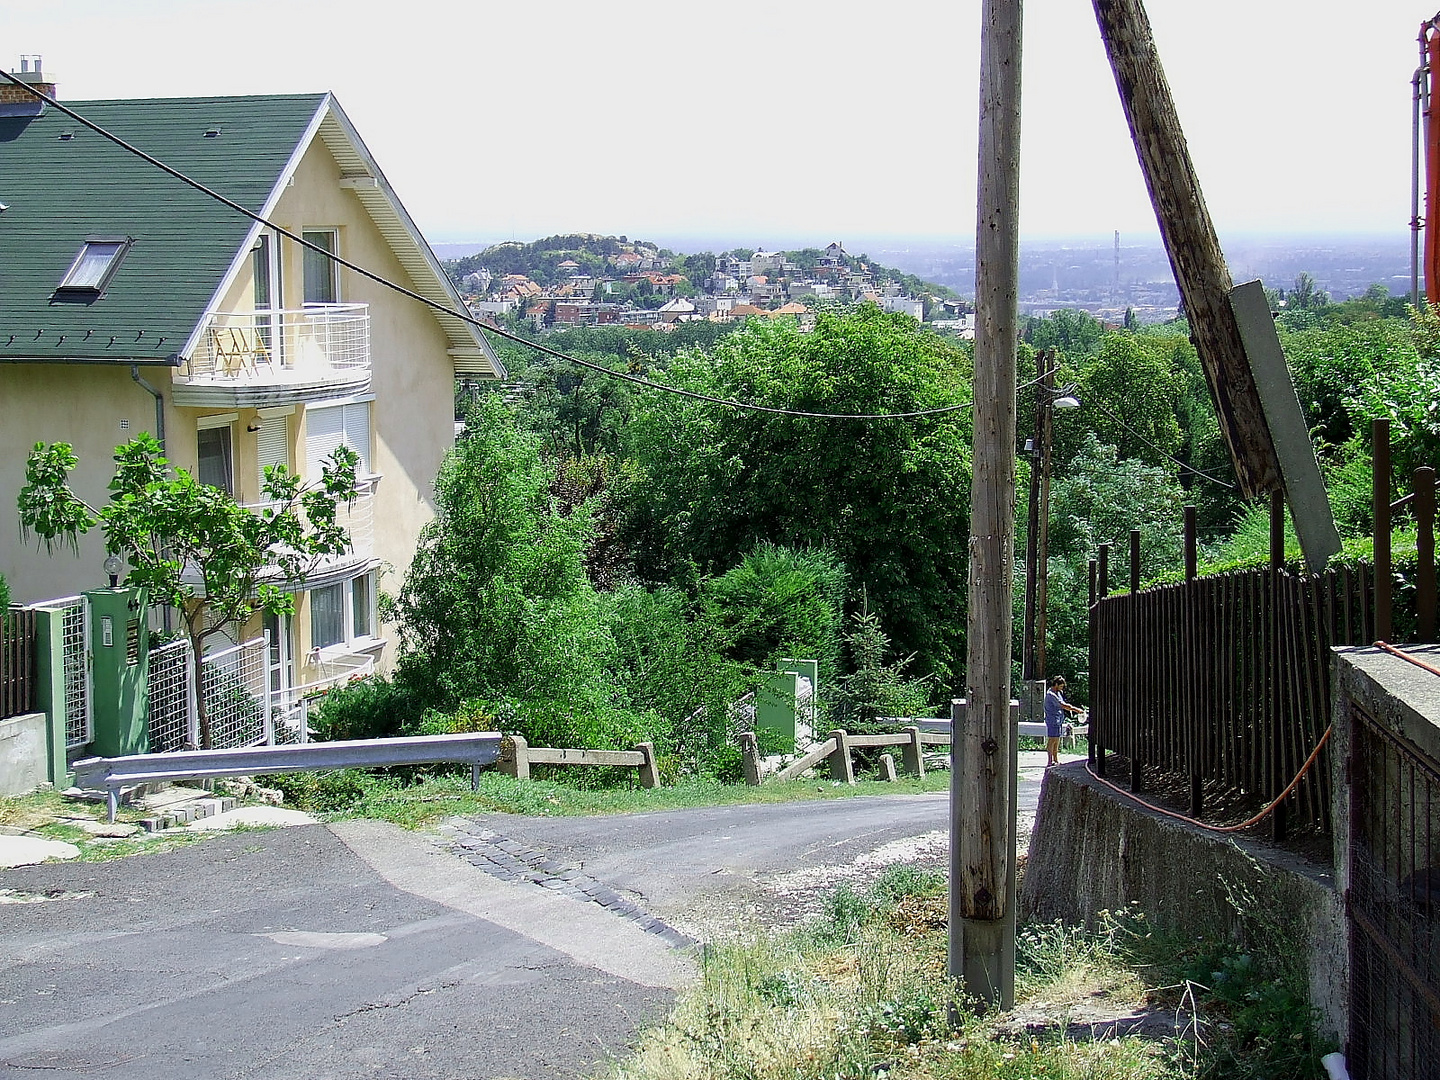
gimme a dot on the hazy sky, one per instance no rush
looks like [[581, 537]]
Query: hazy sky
[[768, 121]]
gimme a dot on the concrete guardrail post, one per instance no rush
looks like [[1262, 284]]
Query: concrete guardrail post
[[649, 774], [887, 768], [913, 753], [750, 757], [841, 767], [514, 757]]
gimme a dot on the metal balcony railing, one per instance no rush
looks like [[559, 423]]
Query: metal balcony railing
[[356, 518], [282, 346]]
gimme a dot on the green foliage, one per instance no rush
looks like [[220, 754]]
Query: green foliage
[[875, 685], [374, 707], [889, 498], [1075, 334], [1102, 496], [496, 603], [777, 603], [4, 593], [1132, 391], [320, 792]]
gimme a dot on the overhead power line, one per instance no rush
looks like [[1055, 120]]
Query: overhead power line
[[465, 317], [1188, 468]]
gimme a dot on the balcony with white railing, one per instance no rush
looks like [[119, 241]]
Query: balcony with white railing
[[357, 518], [257, 359]]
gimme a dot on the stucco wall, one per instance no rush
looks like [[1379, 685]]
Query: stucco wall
[[84, 405], [23, 751], [1094, 850]]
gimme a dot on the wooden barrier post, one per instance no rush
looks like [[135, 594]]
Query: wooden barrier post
[[750, 757], [1380, 443], [515, 757], [1425, 551], [841, 767], [913, 754]]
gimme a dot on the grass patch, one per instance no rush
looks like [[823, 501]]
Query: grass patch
[[861, 993], [51, 816], [414, 799]]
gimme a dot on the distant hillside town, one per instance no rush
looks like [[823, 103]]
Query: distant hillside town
[[585, 280]]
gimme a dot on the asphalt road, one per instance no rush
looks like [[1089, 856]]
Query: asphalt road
[[501, 947]]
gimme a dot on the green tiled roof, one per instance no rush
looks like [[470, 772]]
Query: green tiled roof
[[57, 191]]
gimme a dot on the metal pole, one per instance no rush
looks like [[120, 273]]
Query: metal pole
[[1042, 557], [1027, 648], [982, 912], [1380, 449]]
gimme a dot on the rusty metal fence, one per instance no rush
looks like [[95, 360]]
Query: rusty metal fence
[[17, 662], [1393, 905], [1226, 680]]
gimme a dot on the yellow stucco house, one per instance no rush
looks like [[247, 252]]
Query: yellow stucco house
[[131, 302]]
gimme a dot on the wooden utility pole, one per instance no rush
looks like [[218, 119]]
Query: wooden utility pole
[[982, 844], [1190, 241]]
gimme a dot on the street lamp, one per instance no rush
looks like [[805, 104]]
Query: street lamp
[[1047, 400]]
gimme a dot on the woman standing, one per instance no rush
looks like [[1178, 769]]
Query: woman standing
[[1055, 707]]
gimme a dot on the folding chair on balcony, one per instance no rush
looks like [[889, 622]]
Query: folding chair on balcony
[[237, 348]]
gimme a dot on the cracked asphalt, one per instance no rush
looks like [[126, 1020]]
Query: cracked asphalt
[[494, 947]]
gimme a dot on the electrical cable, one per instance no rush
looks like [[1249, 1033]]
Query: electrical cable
[[483, 327], [1188, 468]]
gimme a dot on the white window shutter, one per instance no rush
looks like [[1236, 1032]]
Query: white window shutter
[[324, 431], [357, 433], [272, 444]]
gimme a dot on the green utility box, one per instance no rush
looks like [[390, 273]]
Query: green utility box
[[786, 699], [119, 671]]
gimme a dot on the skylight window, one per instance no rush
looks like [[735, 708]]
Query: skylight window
[[93, 267]]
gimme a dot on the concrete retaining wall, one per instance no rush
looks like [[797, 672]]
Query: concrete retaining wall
[[24, 754], [1094, 850]]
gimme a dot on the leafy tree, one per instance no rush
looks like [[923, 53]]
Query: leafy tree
[[1076, 334], [172, 529], [4, 593], [877, 684], [1133, 390], [777, 603], [496, 605], [890, 497], [1103, 495]]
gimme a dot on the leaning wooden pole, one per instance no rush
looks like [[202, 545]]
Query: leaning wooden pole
[[1190, 240], [982, 843]]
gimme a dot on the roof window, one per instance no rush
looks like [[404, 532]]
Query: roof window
[[94, 266]]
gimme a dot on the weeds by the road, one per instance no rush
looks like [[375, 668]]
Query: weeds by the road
[[412, 799], [862, 992]]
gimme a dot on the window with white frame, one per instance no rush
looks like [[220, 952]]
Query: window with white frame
[[319, 270], [337, 425], [343, 613], [215, 451]]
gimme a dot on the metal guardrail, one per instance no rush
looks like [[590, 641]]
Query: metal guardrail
[[476, 749]]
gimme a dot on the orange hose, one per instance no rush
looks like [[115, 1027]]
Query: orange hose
[[1248, 822]]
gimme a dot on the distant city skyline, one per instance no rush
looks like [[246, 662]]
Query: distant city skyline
[[783, 119]]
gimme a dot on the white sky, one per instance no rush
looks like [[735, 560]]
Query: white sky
[[768, 121]]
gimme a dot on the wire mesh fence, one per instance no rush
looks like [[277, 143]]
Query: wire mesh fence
[[172, 721], [1394, 907], [75, 638], [236, 685]]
